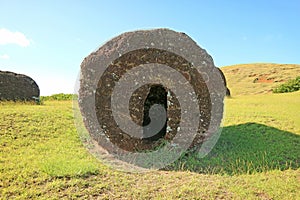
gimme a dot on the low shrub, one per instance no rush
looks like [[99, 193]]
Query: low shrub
[[58, 97], [290, 86]]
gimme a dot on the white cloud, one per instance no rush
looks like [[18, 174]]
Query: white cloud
[[4, 56], [9, 37]]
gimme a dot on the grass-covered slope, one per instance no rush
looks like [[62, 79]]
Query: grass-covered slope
[[258, 78], [256, 157]]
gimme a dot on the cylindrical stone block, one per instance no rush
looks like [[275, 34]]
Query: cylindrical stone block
[[157, 67]]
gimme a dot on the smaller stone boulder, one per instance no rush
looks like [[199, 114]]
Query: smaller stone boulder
[[225, 82], [18, 87]]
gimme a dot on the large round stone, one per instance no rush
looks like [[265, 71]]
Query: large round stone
[[103, 70]]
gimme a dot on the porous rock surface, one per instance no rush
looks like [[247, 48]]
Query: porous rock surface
[[17, 87], [102, 69]]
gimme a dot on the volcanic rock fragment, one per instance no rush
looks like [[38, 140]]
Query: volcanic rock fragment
[[18, 87], [149, 50]]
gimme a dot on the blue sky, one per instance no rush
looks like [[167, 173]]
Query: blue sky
[[48, 40]]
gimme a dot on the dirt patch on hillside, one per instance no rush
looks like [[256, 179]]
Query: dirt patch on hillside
[[263, 79]]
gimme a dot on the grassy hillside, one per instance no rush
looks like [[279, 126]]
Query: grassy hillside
[[256, 157], [260, 78]]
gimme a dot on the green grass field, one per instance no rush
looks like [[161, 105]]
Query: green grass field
[[256, 157]]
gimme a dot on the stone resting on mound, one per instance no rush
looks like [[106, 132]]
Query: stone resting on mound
[[17, 87], [225, 82], [103, 69]]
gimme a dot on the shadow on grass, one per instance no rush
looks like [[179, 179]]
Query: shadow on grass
[[246, 149]]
